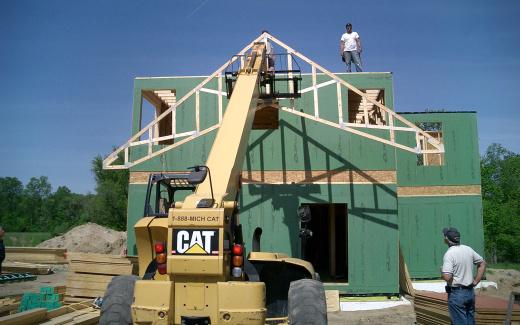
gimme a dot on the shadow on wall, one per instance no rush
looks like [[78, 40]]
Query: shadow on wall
[[289, 196]]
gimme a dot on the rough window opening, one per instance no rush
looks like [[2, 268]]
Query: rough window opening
[[160, 101], [357, 104], [430, 159]]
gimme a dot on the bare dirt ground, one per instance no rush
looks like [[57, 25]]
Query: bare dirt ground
[[89, 238], [402, 315], [58, 278]]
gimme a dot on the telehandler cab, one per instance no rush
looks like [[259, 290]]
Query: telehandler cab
[[192, 264]]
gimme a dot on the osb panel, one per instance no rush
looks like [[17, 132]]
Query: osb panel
[[319, 176], [300, 176], [142, 177], [438, 190]]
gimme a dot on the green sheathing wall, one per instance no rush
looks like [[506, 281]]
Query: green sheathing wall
[[421, 219], [299, 144], [372, 227], [462, 161]]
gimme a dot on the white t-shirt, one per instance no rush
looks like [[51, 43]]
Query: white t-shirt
[[350, 41], [459, 261]]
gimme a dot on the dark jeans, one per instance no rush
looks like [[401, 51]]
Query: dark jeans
[[352, 56], [461, 304]]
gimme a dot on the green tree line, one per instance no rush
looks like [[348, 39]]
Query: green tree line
[[35, 207], [500, 170]]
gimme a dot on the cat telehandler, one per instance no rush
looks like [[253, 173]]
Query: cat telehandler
[[192, 260]]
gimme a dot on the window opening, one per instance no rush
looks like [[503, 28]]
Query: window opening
[[357, 104], [157, 102], [434, 129]]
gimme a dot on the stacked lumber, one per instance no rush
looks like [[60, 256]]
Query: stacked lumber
[[89, 274], [79, 313], [432, 308], [36, 255]]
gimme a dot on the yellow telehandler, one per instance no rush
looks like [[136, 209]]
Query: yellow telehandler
[[193, 268]]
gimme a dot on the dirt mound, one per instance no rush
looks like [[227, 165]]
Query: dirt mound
[[89, 238], [506, 280]]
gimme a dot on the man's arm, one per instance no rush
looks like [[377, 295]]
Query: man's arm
[[358, 41], [481, 268], [448, 277], [341, 47]]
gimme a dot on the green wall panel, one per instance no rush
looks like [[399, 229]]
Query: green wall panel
[[372, 227], [462, 162], [421, 220]]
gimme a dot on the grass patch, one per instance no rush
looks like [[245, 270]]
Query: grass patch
[[25, 239], [509, 266]]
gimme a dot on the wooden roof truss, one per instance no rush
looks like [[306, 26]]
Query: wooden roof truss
[[424, 142]]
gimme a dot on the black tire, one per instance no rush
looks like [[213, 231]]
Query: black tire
[[117, 302], [307, 304]]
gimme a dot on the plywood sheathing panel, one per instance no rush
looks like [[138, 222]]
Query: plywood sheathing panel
[[301, 176], [320, 176], [438, 190]]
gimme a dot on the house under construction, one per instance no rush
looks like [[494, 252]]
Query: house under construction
[[376, 181]]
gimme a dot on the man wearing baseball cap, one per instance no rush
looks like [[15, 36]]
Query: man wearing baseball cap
[[457, 271]]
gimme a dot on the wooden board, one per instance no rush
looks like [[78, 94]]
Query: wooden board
[[101, 268], [36, 255], [21, 267], [84, 292], [97, 258], [84, 316], [33, 316], [332, 297]]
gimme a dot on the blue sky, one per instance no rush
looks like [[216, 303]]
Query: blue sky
[[67, 67]]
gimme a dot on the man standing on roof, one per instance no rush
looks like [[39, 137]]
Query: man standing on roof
[[457, 271], [350, 48]]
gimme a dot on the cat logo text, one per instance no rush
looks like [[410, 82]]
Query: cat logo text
[[195, 241]]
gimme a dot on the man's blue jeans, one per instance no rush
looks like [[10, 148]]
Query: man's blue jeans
[[353, 56], [461, 304]]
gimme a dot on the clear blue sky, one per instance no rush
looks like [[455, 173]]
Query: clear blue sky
[[67, 67]]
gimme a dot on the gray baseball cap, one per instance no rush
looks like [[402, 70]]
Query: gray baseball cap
[[452, 234]]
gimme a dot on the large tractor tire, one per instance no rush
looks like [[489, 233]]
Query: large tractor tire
[[117, 302], [307, 304]]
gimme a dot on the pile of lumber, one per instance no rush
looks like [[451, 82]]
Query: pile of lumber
[[78, 313], [36, 255], [89, 274], [432, 308]]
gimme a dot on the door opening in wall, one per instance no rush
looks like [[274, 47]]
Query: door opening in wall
[[327, 249]]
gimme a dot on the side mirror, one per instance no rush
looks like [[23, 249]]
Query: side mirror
[[197, 175], [304, 212]]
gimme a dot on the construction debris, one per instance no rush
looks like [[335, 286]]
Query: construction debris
[[89, 274], [16, 277], [89, 238], [432, 308]]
